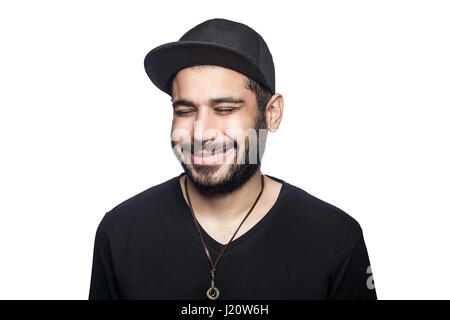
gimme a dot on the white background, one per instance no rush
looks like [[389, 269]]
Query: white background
[[366, 127]]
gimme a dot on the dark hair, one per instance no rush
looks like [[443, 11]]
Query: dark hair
[[263, 96], [262, 93]]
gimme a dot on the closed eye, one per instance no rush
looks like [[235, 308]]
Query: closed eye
[[183, 113], [225, 110]]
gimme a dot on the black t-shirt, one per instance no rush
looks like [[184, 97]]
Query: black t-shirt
[[148, 247]]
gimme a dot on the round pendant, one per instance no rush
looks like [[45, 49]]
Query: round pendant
[[212, 293]]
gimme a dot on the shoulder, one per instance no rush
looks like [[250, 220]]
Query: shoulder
[[322, 222], [140, 208]]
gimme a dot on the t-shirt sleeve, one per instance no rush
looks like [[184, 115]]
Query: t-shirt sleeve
[[104, 285], [353, 278]]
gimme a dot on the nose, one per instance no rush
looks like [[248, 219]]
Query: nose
[[206, 125]]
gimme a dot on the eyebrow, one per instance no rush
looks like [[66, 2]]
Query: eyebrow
[[213, 101]]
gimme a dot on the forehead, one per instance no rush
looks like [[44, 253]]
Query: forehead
[[203, 82]]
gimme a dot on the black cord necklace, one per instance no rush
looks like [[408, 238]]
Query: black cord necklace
[[213, 292]]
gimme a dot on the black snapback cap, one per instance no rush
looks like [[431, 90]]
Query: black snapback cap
[[218, 42]]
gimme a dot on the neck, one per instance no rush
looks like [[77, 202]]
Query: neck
[[225, 207]]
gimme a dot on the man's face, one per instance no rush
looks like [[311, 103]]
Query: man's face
[[215, 128]]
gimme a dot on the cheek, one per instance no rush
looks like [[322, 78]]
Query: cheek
[[239, 130], [243, 123], [182, 124], [180, 132]]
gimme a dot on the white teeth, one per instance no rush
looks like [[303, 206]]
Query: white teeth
[[208, 154]]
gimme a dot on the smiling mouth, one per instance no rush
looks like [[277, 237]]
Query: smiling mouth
[[213, 157], [207, 153]]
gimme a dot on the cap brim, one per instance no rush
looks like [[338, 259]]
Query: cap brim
[[163, 62]]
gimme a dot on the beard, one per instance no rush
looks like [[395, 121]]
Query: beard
[[236, 174]]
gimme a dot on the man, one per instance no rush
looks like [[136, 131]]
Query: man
[[222, 229]]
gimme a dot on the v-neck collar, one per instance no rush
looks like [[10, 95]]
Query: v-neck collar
[[217, 246]]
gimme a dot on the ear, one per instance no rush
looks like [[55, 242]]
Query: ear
[[274, 112]]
